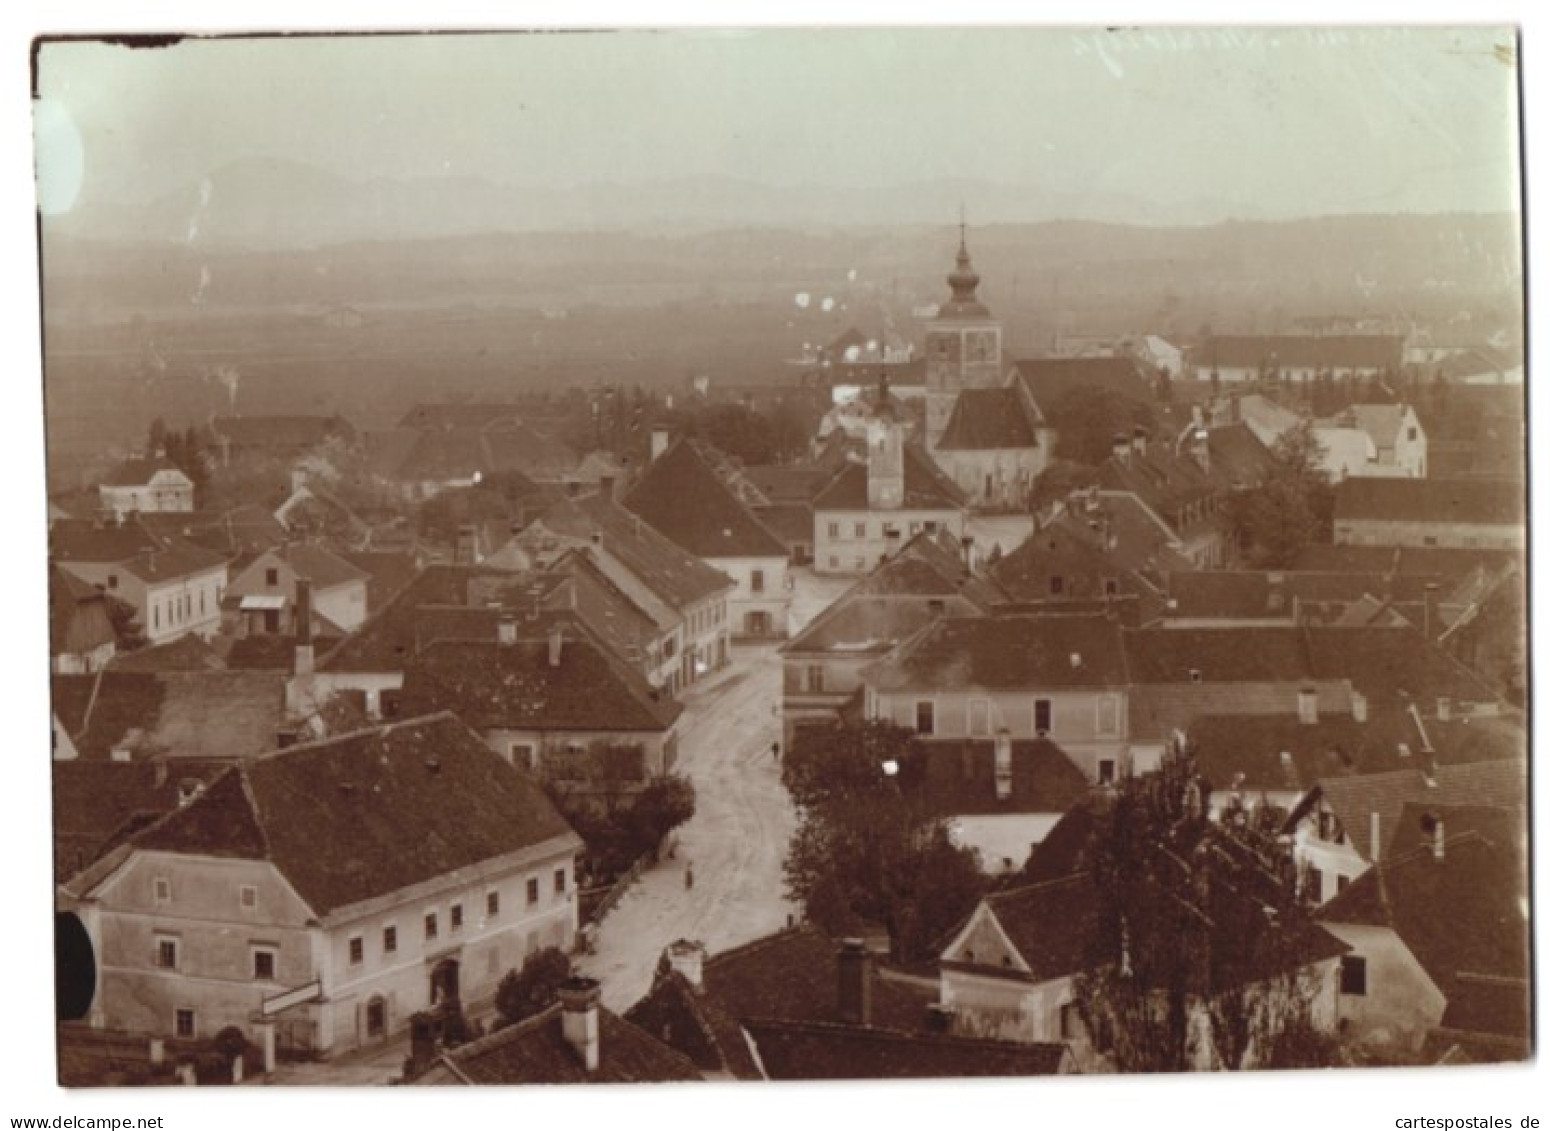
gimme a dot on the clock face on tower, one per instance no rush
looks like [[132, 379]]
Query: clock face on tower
[[980, 346]]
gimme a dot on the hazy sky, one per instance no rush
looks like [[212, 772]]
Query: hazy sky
[[1298, 122]]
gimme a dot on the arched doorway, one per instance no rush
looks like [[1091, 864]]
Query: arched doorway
[[75, 967], [376, 1018], [444, 982]]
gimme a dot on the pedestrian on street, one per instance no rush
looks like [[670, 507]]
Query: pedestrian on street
[[775, 752], [688, 875]]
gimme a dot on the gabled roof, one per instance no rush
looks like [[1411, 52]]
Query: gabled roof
[[1258, 594], [926, 487], [1467, 502], [388, 573], [864, 625], [788, 483], [139, 472], [175, 714], [1063, 851], [1444, 562], [364, 815], [1463, 915], [88, 541], [78, 620], [1238, 456], [323, 568], [1047, 379], [1156, 710], [682, 497], [792, 975], [810, 1050], [931, 564], [958, 778], [179, 559], [1049, 923], [248, 528], [990, 419], [1380, 421], [515, 686], [535, 1051], [1006, 652], [188, 653], [1497, 784]]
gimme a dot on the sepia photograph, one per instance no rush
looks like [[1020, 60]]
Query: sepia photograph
[[804, 554]]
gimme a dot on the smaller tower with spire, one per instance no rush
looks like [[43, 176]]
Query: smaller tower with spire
[[885, 451], [963, 342]]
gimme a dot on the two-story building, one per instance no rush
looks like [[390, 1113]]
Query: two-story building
[[153, 485], [318, 897], [263, 590], [1056, 677], [80, 631], [1484, 514], [175, 588], [682, 497]]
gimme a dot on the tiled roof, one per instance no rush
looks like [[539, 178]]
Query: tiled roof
[[175, 714], [188, 653], [84, 540], [1380, 421], [959, 778], [271, 652], [683, 498], [361, 816], [1156, 710], [1456, 501], [792, 523], [610, 614], [387, 573], [1063, 851], [244, 529], [1246, 751], [1259, 594], [322, 567], [98, 804], [869, 626], [1464, 916], [1218, 655], [138, 472], [177, 560], [1049, 923], [514, 686], [445, 415], [1302, 351], [1439, 561], [535, 1051], [1165, 481], [808, 1050], [1012, 652], [668, 570], [1393, 664], [990, 419], [792, 975], [925, 487], [1498, 784], [1047, 379], [790, 483], [1238, 456]]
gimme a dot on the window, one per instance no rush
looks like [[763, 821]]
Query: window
[[432, 927], [183, 1024], [532, 891], [1110, 587], [248, 894], [357, 950], [1314, 883], [979, 717], [834, 530], [559, 881], [1341, 883], [389, 940], [860, 562], [456, 916], [1194, 675], [815, 677], [1108, 714], [112, 581], [1041, 716], [756, 581], [271, 577], [167, 953], [1353, 975], [156, 616], [1106, 771], [1057, 585], [522, 755], [163, 889], [1071, 1027], [834, 561], [492, 904], [925, 717], [1410, 433], [860, 530], [263, 964]]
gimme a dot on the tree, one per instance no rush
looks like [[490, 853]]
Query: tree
[[1056, 482], [128, 636], [666, 803], [1201, 950], [866, 848], [1291, 509], [532, 989]]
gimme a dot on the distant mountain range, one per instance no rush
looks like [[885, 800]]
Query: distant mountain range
[[272, 204]]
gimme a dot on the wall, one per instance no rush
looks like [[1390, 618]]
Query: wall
[[1005, 1008], [1397, 532], [774, 599], [844, 552], [1011, 471], [1000, 837], [1401, 1003], [161, 606]]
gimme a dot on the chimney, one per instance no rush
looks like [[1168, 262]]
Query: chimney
[[1138, 441], [855, 983], [579, 1018], [506, 630], [1377, 840], [1430, 616], [1122, 447], [303, 619], [1308, 705], [1358, 707], [688, 959], [1003, 764], [556, 645], [659, 438], [597, 539]]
